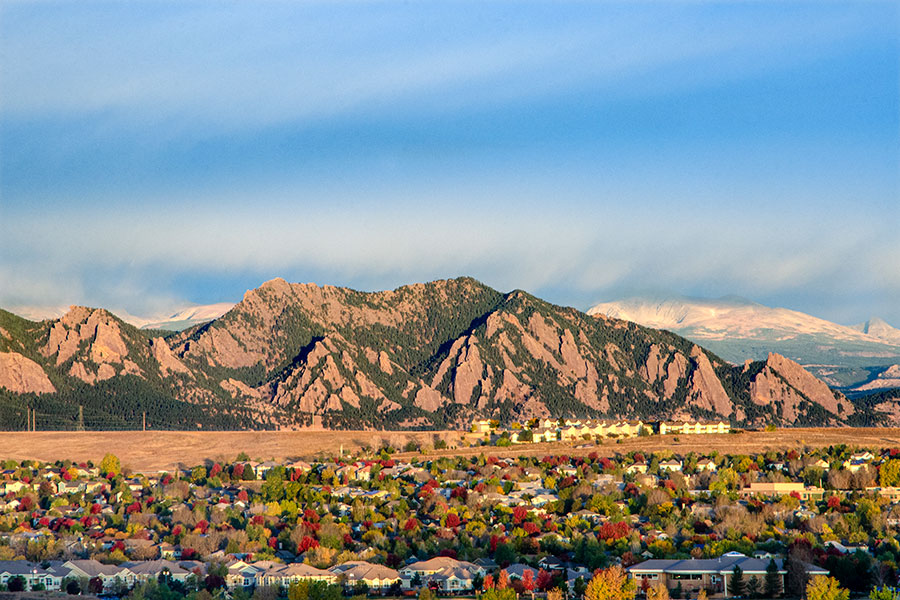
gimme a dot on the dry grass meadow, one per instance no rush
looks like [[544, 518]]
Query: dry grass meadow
[[165, 450]]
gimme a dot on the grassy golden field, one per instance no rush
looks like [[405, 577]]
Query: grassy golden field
[[165, 450]]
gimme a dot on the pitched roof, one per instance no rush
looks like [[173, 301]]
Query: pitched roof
[[20, 567], [154, 567], [722, 564], [93, 568], [365, 571]]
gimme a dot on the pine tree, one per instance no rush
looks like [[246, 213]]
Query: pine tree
[[737, 586], [772, 586], [753, 586]]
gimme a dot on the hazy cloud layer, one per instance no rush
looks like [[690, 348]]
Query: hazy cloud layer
[[132, 262]]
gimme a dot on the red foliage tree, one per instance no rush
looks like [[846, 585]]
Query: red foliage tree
[[520, 513], [528, 579], [503, 580], [544, 580], [460, 492], [613, 531], [307, 543]]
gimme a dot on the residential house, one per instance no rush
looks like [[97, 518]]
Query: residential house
[[145, 570], [285, 575], [670, 465], [378, 578], [705, 464], [451, 575], [32, 573], [783, 488], [110, 575], [638, 467], [242, 574], [712, 574]]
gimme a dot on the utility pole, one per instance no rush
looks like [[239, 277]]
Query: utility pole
[[33, 420], [80, 418], [28, 418], [144, 421]]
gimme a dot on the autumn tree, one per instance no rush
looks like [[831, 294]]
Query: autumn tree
[[528, 580], [889, 473], [658, 591], [425, 593], [503, 580], [883, 593], [610, 584], [826, 588], [110, 464]]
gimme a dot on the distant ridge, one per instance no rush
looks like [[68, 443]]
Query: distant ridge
[[186, 318], [738, 330], [177, 321], [877, 328]]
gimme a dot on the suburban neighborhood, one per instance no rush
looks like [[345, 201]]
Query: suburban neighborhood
[[719, 525]]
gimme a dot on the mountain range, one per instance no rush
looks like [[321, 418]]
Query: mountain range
[[855, 359], [423, 356]]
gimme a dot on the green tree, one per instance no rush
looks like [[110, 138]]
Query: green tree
[[737, 586], [772, 583], [753, 586], [498, 594], [826, 588]]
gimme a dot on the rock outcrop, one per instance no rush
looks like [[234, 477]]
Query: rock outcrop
[[21, 375]]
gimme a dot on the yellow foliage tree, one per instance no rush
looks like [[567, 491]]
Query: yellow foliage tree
[[610, 584], [110, 464], [659, 591], [826, 588]]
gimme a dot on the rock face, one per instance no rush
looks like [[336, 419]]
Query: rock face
[[21, 375], [426, 355], [784, 383]]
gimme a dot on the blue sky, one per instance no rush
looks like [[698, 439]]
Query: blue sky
[[162, 153]]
